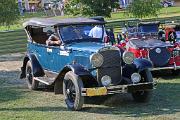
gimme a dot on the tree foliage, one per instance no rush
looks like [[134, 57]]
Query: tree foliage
[[90, 7], [144, 8], [8, 12]]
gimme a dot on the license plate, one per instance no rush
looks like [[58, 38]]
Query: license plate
[[96, 91]]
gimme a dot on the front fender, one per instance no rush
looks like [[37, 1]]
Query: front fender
[[142, 64], [79, 70], [37, 69]]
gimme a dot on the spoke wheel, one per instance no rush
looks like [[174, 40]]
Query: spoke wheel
[[72, 85], [32, 84], [70, 91]]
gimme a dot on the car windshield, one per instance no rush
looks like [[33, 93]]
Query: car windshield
[[148, 28], [81, 33]]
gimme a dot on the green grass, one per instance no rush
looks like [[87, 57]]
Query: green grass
[[13, 42], [164, 12], [19, 103]]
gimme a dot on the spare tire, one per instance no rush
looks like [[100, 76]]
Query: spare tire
[[159, 56]]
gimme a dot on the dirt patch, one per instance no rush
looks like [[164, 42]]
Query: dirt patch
[[10, 68], [11, 57]]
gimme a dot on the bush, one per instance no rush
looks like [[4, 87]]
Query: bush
[[9, 12]]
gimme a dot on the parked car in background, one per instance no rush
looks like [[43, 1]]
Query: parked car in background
[[144, 42], [171, 32], [82, 65], [167, 3]]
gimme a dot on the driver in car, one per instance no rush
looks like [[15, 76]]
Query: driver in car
[[53, 40]]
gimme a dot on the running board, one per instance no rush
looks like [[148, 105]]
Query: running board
[[45, 80]]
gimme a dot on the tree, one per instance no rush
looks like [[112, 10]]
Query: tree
[[144, 8], [8, 12], [90, 7]]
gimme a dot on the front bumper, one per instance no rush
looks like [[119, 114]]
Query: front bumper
[[99, 91]]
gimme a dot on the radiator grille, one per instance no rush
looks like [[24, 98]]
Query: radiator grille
[[111, 66]]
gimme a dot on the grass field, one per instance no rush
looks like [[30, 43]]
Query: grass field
[[164, 12], [19, 103], [12, 42]]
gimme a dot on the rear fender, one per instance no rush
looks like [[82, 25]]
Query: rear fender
[[37, 69]]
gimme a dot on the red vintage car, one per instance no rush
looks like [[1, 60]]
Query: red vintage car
[[144, 42]]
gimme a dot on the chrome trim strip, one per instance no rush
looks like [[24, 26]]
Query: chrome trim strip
[[166, 68]]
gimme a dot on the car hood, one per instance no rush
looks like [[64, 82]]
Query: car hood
[[148, 44], [86, 46]]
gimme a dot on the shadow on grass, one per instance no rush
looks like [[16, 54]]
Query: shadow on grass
[[43, 109], [165, 74], [10, 94], [10, 86], [165, 100]]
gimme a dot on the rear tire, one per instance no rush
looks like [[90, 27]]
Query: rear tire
[[32, 84], [144, 96], [72, 85]]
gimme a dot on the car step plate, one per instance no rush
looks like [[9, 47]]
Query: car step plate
[[45, 80]]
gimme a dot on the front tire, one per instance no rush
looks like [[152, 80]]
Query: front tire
[[32, 84], [144, 96], [72, 85]]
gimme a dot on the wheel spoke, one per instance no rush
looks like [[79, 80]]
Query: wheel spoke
[[70, 90]]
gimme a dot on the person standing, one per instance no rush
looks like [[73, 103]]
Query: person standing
[[110, 34], [27, 5], [20, 7], [33, 8]]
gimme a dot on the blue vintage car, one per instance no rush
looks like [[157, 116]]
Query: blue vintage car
[[82, 65]]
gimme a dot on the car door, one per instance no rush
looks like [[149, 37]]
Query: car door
[[49, 57], [61, 58], [41, 53]]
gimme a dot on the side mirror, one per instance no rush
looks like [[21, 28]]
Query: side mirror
[[64, 48]]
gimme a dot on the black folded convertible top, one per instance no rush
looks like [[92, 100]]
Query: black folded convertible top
[[43, 22]]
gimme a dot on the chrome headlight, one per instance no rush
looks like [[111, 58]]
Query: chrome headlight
[[106, 80], [96, 60], [135, 77], [128, 57]]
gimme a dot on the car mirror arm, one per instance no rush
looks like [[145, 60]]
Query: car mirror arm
[[64, 48]]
